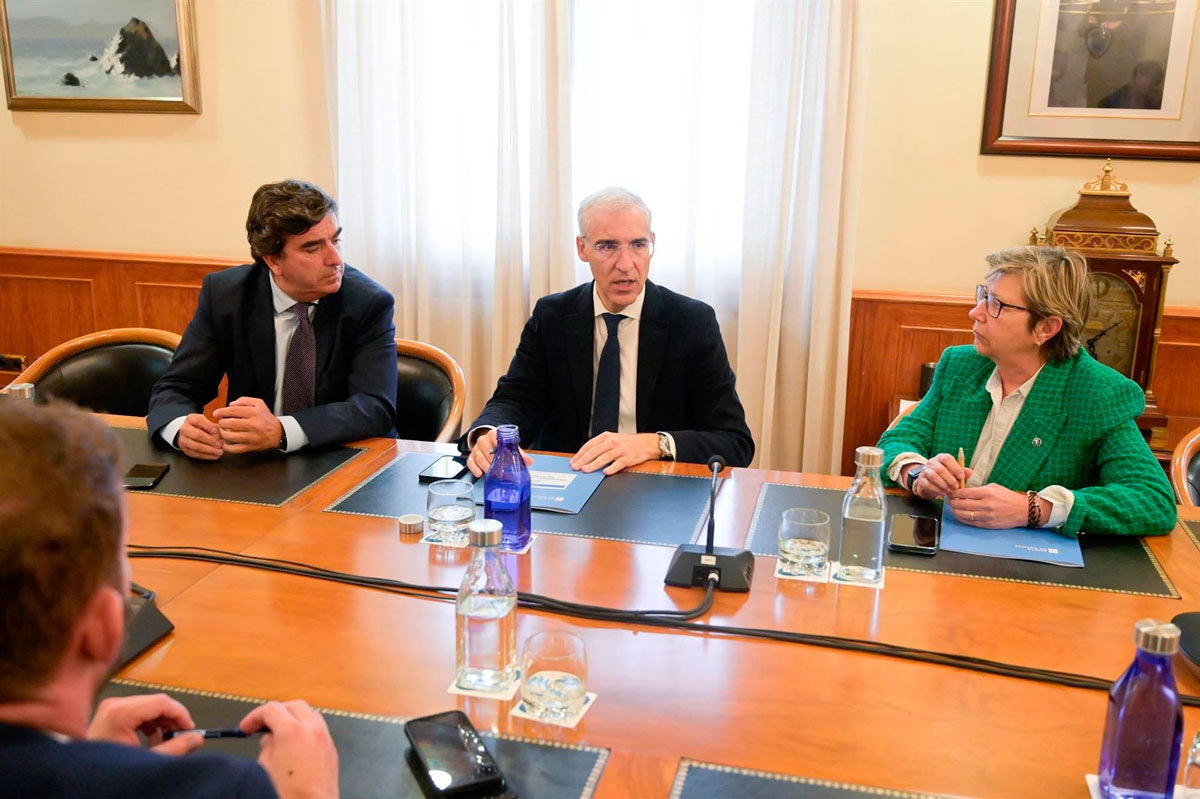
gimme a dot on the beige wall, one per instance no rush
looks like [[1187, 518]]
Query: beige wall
[[930, 206], [166, 183]]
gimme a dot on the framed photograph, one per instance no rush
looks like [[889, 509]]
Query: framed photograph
[[99, 55], [1094, 77]]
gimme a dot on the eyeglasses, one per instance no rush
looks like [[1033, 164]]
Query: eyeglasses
[[994, 304], [639, 248]]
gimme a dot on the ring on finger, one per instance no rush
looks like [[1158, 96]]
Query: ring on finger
[[972, 515]]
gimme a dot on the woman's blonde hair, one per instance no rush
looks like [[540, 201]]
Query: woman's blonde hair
[[1055, 283]]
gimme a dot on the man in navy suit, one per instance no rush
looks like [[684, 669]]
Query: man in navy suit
[[307, 342], [64, 580], [663, 389]]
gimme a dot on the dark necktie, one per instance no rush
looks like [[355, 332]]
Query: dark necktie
[[607, 405], [300, 366]]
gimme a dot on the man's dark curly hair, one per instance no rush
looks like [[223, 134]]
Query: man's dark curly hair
[[283, 209]]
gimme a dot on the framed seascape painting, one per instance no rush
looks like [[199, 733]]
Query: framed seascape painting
[[1094, 77], [100, 55]]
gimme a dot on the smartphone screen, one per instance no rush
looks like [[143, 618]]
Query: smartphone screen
[[447, 467], [145, 475], [911, 533], [452, 755]]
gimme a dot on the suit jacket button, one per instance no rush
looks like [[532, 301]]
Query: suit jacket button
[[1037, 442]]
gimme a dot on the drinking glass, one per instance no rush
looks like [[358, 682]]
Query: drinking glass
[[553, 675], [450, 507], [804, 542], [1191, 772]]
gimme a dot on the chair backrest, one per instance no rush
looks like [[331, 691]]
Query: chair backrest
[[1185, 469], [111, 371], [431, 392]]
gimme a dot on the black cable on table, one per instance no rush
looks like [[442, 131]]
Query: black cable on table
[[669, 619]]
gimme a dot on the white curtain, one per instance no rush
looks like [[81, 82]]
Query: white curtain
[[467, 132]]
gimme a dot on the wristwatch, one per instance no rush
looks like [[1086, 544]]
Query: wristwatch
[[664, 448], [283, 441], [911, 478]]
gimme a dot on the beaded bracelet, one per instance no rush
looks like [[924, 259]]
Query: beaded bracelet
[[1035, 509]]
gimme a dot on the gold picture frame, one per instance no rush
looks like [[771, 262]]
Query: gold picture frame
[[1052, 86], [100, 55]]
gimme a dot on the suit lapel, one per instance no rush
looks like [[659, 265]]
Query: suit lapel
[[581, 326], [971, 404], [325, 331], [652, 345], [260, 324], [1034, 433]]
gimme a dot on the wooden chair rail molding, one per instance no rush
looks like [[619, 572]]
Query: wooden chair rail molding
[[893, 332], [51, 296]]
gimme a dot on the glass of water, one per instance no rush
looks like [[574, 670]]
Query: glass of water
[[1191, 772], [553, 675], [804, 542], [450, 507]]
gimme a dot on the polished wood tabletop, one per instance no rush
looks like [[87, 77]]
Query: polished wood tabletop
[[662, 694]]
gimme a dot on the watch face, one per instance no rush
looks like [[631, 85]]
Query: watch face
[[1111, 334]]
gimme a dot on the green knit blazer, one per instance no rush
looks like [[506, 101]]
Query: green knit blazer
[[1076, 429]]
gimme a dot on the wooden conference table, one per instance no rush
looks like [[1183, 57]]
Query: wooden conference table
[[662, 695]]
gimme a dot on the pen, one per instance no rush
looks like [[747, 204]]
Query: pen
[[222, 732], [962, 481]]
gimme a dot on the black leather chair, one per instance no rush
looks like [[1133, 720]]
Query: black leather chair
[[1185, 469], [431, 392], [111, 371]]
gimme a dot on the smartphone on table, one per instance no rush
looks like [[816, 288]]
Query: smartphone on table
[[448, 467], [144, 475], [450, 758], [917, 535]]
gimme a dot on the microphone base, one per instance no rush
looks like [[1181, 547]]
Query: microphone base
[[692, 564]]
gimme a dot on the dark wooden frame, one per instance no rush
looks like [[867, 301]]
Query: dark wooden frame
[[994, 142]]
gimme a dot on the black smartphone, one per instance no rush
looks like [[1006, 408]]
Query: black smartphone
[[915, 534], [447, 467], [450, 758], [145, 475]]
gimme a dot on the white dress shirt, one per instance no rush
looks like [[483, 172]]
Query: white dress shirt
[[628, 331], [996, 428], [285, 327]]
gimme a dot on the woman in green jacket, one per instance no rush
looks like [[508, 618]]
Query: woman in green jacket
[[1048, 432]]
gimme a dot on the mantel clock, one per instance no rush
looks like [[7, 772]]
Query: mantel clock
[[1129, 276]]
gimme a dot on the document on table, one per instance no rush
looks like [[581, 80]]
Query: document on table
[[1016, 543], [556, 486]]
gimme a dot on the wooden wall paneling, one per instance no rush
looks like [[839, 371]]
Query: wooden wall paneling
[[1177, 373], [167, 306], [39, 312]]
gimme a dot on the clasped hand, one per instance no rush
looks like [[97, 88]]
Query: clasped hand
[[245, 425], [991, 506]]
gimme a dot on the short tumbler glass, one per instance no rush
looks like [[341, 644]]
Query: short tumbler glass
[[804, 542], [553, 675], [450, 507]]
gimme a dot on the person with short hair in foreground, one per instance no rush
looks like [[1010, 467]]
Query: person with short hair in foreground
[[1049, 433], [618, 370], [64, 580]]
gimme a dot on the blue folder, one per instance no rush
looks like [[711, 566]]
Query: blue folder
[[1016, 543], [556, 486]]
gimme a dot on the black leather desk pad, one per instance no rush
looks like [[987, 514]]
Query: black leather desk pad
[[1120, 564], [697, 780], [371, 749], [1192, 529], [257, 478], [662, 509]]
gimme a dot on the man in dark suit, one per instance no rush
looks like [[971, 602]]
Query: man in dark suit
[[307, 342], [618, 371], [64, 580]]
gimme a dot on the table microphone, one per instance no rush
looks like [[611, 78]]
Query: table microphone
[[693, 564]]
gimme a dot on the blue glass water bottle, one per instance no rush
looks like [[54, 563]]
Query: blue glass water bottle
[[506, 489], [1142, 737]]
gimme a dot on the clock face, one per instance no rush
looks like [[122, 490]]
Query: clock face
[[1111, 334]]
